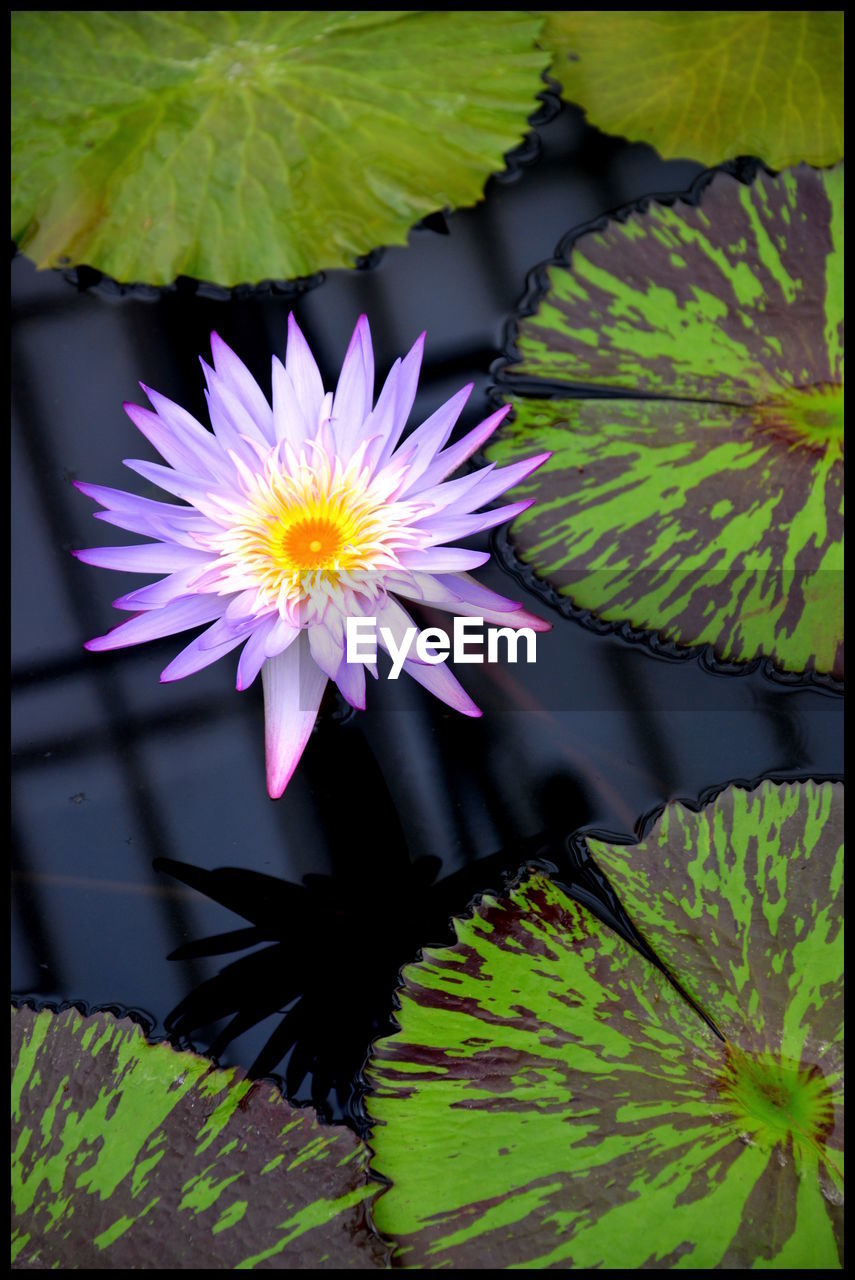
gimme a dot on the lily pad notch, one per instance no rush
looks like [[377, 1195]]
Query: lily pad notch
[[683, 363]]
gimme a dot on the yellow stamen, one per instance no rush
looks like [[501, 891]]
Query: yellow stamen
[[309, 542], [307, 527]]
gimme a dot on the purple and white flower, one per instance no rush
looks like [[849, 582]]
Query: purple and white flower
[[294, 518]]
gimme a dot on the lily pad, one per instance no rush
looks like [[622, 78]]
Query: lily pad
[[127, 1154], [241, 146], [711, 510], [708, 86], [552, 1100]]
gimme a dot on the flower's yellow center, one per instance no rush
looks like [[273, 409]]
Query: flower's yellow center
[[309, 529], [325, 533], [310, 542]]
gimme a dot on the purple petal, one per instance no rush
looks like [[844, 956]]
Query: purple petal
[[189, 488], [253, 655], [443, 526], [289, 421], [491, 484], [164, 530], [169, 444], [408, 383], [403, 396], [517, 618], [181, 615], [442, 497], [443, 684], [395, 618], [293, 688], [452, 458], [419, 449], [226, 629], [350, 679], [326, 649], [305, 376], [442, 592], [199, 653], [208, 579], [354, 394], [443, 559], [243, 386], [239, 416], [381, 420], [280, 636], [207, 454], [496, 617], [244, 605], [157, 594], [446, 593], [146, 557], [474, 592], [160, 520], [232, 425]]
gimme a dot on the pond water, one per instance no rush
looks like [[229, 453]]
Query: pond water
[[395, 817]]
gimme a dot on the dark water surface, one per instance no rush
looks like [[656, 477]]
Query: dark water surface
[[395, 817]]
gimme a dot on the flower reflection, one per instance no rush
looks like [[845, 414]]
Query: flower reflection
[[326, 957], [333, 950]]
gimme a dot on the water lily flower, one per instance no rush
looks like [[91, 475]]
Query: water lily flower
[[298, 516]]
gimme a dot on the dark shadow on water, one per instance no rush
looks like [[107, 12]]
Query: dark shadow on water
[[318, 961]]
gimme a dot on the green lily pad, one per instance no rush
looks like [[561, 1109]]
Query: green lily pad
[[126, 1154], [711, 510], [708, 86], [748, 931], [551, 1100], [241, 146]]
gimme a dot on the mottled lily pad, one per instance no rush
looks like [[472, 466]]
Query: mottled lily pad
[[552, 1100], [126, 1154], [242, 146], [711, 510], [708, 86]]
